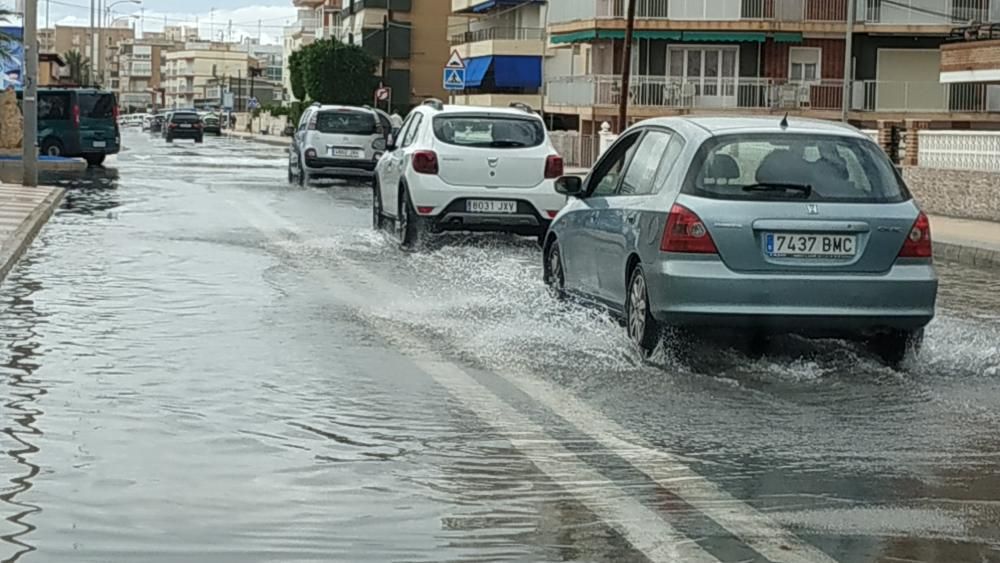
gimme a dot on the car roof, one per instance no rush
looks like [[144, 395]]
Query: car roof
[[711, 126], [455, 109], [334, 107]]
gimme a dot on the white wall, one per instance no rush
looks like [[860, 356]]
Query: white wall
[[569, 10], [705, 9]]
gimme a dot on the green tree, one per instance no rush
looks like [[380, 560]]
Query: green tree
[[79, 67], [296, 76], [335, 73]]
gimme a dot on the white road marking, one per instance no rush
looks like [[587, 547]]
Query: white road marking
[[757, 530]]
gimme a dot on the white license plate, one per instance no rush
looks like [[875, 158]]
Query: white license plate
[[799, 245], [185, 125], [490, 206], [347, 153], [100, 144]]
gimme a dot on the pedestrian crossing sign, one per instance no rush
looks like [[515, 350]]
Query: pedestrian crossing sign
[[454, 79]]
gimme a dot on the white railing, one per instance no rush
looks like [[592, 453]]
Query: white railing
[[908, 12], [887, 96], [577, 150], [960, 150], [498, 33], [773, 94]]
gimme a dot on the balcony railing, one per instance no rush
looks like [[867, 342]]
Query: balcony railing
[[902, 12], [767, 94], [499, 33]]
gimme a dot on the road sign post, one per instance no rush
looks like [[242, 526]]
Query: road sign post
[[454, 72]]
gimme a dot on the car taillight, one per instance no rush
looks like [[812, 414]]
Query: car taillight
[[686, 233], [197, 125], [172, 126], [553, 166], [310, 153], [918, 241], [76, 115], [114, 113], [312, 123], [425, 162]]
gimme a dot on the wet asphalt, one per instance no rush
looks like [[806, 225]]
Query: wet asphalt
[[200, 362]]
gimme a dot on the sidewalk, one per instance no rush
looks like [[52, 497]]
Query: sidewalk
[[274, 140], [974, 243], [23, 213]]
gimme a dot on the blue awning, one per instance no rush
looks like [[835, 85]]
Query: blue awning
[[487, 5], [475, 70], [517, 72]]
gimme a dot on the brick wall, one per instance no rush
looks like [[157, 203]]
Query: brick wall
[[973, 55], [956, 193], [775, 57]]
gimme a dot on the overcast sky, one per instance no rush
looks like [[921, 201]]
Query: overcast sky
[[244, 14]]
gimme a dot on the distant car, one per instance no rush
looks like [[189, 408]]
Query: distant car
[[156, 124], [335, 142], [749, 224], [211, 124], [466, 168], [183, 125], [78, 122]]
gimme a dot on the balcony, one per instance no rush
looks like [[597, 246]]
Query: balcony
[[527, 41], [868, 12], [667, 94]]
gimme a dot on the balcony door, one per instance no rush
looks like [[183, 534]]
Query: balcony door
[[704, 75]]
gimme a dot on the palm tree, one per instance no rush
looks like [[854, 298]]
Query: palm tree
[[79, 67]]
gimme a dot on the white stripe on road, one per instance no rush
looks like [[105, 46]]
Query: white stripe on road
[[757, 530]]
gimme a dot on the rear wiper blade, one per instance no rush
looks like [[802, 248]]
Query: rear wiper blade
[[805, 189], [507, 144]]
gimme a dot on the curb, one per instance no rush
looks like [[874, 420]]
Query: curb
[[279, 142], [968, 255], [25, 234]]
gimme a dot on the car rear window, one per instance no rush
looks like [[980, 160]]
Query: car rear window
[[185, 118], [489, 131], [345, 122], [54, 106], [791, 166], [97, 106]]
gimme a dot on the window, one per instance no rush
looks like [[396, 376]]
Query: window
[[489, 131], [710, 71], [53, 106], [98, 106], [639, 179], [411, 133], [345, 122], [819, 167], [804, 64], [604, 179]]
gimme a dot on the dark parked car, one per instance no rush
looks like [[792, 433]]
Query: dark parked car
[[78, 122], [156, 124], [184, 125], [212, 124]]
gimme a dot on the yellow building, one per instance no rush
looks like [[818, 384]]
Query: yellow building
[[188, 71]]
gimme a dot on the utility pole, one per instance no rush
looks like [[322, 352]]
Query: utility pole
[[260, 30], [29, 158], [211, 24], [386, 25], [93, 43], [48, 5], [627, 67], [848, 63]]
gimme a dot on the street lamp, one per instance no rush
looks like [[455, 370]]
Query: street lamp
[[107, 9]]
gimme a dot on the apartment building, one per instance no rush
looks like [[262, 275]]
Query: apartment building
[[296, 36], [79, 38], [189, 71], [762, 56], [142, 66], [416, 49], [47, 40], [504, 48], [325, 14]]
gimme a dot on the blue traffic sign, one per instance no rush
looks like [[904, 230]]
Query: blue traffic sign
[[454, 79]]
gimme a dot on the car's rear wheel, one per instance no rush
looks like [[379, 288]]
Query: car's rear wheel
[[643, 330], [554, 274], [302, 178], [894, 348], [170, 139], [378, 219], [94, 159], [52, 147], [409, 225]]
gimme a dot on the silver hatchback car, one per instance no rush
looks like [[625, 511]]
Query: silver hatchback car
[[337, 142], [757, 224]]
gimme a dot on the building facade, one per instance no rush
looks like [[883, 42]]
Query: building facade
[[761, 56], [417, 47], [142, 66], [105, 63], [189, 71], [297, 36], [504, 48], [270, 58]]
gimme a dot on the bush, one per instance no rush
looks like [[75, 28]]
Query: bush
[[335, 73]]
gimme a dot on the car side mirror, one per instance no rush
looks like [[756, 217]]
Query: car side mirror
[[569, 185]]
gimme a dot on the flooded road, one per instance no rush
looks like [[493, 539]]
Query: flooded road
[[200, 362]]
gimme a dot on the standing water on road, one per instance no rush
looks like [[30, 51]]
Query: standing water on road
[[203, 363]]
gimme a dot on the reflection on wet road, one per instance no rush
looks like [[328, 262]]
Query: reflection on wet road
[[202, 363]]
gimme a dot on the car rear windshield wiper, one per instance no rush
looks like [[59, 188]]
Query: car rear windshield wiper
[[506, 144], [805, 189]]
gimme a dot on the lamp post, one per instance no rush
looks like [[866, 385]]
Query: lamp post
[[29, 157], [103, 17]]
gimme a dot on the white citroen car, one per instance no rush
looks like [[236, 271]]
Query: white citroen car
[[467, 168]]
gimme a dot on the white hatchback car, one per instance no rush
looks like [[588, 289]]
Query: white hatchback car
[[466, 168]]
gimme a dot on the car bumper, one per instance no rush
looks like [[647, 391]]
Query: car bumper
[[450, 213], [339, 168], [525, 220], [705, 293], [185, 134]]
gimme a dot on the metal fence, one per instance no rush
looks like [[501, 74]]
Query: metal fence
[[771, 93], [499, 33], [578, 150]]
